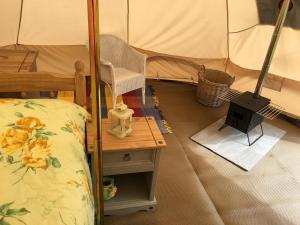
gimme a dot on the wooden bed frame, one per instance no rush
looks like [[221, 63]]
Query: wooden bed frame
[[46, 81], [49, 82]]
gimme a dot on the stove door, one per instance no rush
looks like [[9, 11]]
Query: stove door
[[239, 117]]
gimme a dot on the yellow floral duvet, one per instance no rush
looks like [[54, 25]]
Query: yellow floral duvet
[[44, 176]]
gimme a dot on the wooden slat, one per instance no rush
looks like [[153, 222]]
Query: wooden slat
[[35, 81], [80, 84], [132, 146], [90, 137], [14, 78]]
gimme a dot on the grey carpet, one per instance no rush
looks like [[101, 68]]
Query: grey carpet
[[267, 195]]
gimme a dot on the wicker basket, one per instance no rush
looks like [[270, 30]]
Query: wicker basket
[[211, 84]]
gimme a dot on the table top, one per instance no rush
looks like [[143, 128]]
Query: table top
[[17, 60], [145, 135]]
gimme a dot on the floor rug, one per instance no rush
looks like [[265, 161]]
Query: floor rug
[[232, 145], [133, 100]]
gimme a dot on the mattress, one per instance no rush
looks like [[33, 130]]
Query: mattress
[[44, 175]]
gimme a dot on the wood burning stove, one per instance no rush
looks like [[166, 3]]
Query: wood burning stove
[[247, 110], [243, 114]]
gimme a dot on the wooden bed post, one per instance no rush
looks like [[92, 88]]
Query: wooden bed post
[[80, 84]]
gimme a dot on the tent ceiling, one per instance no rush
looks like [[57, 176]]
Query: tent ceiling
[[52, 22], [113, 17], [242, 14], [248, 49], [174, 28], [195, 28]]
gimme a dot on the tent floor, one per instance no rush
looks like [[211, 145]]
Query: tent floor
[[197, 187]]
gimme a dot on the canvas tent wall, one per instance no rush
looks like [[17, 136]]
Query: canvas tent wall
[[200, 31]]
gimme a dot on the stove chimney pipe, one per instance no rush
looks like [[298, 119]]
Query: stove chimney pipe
[[272, 47]]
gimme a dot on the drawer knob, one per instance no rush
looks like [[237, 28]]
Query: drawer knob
[[127, 157]]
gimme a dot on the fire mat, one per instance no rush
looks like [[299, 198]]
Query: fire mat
[[231, 144]]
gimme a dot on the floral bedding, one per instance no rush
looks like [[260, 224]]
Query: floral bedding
[[44, 175]]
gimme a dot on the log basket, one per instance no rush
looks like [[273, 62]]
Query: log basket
[[211, 84]]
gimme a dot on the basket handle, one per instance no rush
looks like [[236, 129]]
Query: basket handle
[[202, 68], [232, 81]]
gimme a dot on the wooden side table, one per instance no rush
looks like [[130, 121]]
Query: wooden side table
[[133, 162], [17, 61]]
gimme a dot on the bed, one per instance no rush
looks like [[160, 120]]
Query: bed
[[44, 174]]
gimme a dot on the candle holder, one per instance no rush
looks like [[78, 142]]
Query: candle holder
[[121, 120]]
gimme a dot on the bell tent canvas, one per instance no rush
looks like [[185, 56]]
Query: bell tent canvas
[[178, 36], [227, 35]]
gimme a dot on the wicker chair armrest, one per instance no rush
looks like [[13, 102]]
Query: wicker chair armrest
[[107, 72], [106, 63]]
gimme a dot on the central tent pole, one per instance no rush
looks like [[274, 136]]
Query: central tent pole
[[127, 20], [272, 47], [94, 50]]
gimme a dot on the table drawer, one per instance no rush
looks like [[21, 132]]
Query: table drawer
[[128, 162]]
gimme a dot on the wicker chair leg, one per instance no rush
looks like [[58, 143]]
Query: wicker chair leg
[[144, 95], [114, 100]]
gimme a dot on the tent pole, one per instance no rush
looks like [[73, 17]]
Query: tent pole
[[127, 20], [93, 19], [20, 21], [227, 41], [272, 47]]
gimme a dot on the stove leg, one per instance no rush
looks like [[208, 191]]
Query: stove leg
[[222, 127], [262, 134]]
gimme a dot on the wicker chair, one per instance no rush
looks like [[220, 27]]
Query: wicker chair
[[122, 67]]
